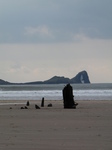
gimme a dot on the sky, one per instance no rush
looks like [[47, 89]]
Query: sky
[[43, 38]]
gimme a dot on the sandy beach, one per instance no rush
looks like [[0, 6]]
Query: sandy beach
[[89, 127]]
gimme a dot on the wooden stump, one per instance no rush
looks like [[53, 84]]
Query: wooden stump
[[68, 98], [42, 102]]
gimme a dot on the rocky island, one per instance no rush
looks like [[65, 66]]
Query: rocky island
[[82, 77]]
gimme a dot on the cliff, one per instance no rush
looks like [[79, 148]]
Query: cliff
[[81, 77]]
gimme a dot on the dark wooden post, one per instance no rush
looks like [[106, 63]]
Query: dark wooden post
[[68, 98], [42, 102], [28, 103]]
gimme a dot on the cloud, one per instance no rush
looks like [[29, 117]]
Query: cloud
[[43, 31], [79, 37], [54, 20], [17, 69]]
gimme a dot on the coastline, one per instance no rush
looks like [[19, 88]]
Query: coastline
[[87, 127]]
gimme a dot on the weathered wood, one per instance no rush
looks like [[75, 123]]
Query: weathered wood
[[37, 107], [68, 98], [28, 103], [42, 102]]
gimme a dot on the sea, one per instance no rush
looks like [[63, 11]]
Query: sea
[[96, 91]]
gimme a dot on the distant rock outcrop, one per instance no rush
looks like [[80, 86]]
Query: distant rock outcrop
[[2, 82], [57, 80], [81, 77]]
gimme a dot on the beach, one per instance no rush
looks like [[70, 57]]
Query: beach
[[88, 127]]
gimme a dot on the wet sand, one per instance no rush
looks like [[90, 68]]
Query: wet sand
[[89, 127]]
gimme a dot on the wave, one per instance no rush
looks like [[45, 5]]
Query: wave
[[56, 95]]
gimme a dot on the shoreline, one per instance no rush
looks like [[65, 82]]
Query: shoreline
[[13, 102], [89, 126]]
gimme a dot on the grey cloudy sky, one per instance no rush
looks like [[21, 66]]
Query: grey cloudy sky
[[43, 38]]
